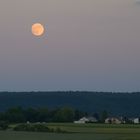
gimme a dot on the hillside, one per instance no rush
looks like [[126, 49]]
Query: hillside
[[115, 103]]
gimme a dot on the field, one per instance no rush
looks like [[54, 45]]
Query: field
[[79, 132]]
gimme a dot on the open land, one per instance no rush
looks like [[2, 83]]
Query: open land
[[79, 132]]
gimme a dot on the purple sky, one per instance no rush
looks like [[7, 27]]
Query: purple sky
[[91, 45]]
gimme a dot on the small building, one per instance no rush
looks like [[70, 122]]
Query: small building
[[86, 120], [82, 120], [28, 122], [92, 120], [113, 121], [136, 120]]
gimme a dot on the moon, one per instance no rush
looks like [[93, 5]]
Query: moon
[[37, 29]]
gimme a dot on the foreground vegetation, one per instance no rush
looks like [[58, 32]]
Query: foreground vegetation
[[78, 131], [37, 127]]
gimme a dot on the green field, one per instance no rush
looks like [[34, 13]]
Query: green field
[[79, 132]]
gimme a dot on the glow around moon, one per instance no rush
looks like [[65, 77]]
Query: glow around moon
[[38, 29]]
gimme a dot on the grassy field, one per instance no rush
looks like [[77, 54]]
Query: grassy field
[[79, 132]]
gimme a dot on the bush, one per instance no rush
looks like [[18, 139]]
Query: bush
[[37, 128], [32, 127], [3, 125], [58, 130]]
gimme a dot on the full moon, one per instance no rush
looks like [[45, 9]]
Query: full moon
[[37, 29]]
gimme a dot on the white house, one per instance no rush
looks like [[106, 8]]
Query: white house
[[82, 120], [136, 121], [92, 119], [113, 121], [86, 120]]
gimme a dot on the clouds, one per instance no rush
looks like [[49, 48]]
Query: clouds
[[138, 2]]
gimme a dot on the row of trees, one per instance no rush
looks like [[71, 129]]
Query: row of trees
[[65, 114], [20, 115]]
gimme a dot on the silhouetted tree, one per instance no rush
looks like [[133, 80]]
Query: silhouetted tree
[[104, 115]]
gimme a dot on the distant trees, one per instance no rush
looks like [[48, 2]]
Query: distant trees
[[15, 115], [96, 115], [104, 115], [20, 115], [79, 114], [3, 125], [63, 114]]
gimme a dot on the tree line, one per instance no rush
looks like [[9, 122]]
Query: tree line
[[62, 114], [20, 115]]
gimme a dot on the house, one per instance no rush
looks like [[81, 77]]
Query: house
[[86, 120], [92, 120], [113, 121], [136, 120], [28, 122], [82, 120]]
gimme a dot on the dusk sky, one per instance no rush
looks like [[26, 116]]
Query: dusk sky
[[92, 45]]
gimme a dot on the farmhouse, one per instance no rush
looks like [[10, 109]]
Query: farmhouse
[[136, 120], [92, 120], [113, 121], [86, 120]]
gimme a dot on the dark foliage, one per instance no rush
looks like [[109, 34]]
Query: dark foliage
[[37, 128], [19, 115], [117, 104], [32, 127], [3, 125]]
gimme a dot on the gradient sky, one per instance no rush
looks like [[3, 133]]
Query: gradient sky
[[91, 45]]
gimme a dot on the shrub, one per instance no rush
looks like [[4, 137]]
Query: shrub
[[37, 128], [59, 130], [3, 125], [32, 127]]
